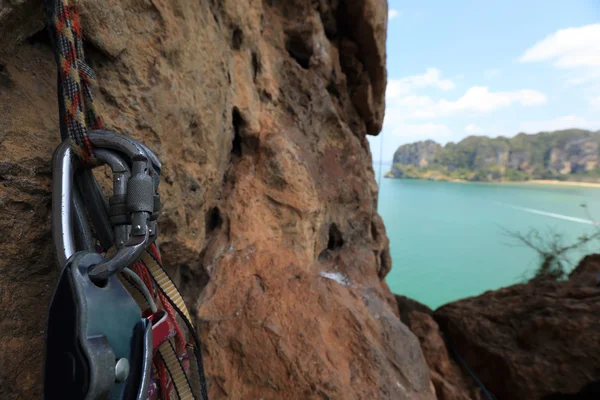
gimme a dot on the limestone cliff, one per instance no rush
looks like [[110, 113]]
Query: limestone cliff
[[419, 154], [566, 155], [258, 111]]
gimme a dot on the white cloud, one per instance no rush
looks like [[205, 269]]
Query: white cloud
[[565, 122], [473, 129], [595, 102], [490, 73], [431, 77], [477, 99], [480, 99], [436, 132], [416, 101], [584, 78], [393, 13], [568, 48]]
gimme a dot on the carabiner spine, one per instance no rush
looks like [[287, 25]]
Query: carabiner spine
[[62, 205]]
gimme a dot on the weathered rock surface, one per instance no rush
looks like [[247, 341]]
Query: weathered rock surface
[[450, 382], [578, 155], [532, 341], [568, 154], [419, 154], [258, 110]]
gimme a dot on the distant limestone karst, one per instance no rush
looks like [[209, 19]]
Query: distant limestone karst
[[560, 155]]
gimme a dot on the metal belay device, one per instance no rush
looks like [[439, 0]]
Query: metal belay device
[[98, 345]]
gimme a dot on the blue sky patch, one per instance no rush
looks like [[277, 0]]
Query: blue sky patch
[[466, 67]]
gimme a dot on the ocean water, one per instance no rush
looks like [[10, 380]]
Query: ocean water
[[448, 240]]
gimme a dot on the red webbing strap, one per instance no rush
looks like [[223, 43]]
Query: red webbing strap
[[166, 287], [162, 330], [169, 377]]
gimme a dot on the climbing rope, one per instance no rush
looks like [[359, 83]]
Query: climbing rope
[[464, 364], [129, 252], [379, 183], [75, 77]]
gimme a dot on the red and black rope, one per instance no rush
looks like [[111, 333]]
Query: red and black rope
[[76, 106]]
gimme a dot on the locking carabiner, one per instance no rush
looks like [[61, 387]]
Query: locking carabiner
[[63, 209], [118, 216], [98, 345], [133, 206]]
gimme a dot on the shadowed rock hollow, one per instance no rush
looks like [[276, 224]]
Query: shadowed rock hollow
[[259, 111], [450, 380]]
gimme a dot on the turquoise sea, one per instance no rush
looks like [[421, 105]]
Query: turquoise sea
[[448, 240]]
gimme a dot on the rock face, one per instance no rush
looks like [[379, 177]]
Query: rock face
[[419, 154], [569, 154], [532, 341], [486, 155], [578, 155], [258, 110], [519, 160], [450, 382]]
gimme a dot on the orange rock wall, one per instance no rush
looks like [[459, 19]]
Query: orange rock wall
[[258, 111]]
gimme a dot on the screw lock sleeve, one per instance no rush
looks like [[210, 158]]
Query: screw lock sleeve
[[140, 193]]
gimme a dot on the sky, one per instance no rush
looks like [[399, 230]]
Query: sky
[[495, 68]]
